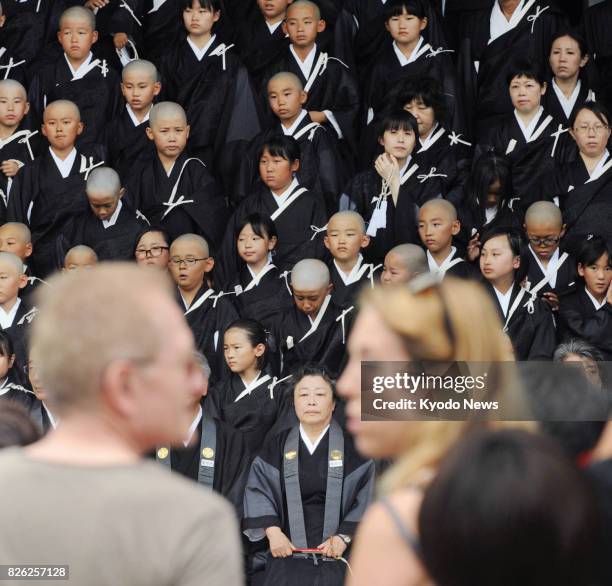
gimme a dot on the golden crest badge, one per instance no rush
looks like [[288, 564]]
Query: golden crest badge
[[208, 453], [162, 453], [290, 455], [336, 455]]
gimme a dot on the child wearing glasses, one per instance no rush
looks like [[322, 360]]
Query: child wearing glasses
[[153, 248], [207, 312]]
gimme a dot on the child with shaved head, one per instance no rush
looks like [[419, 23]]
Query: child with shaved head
[[78, 76], [346, 237], [551, 270], [438, 224], [174, 190], [315, 329], [208, 313], [108, 226], [49, 191], [80, 257], [403, 263]]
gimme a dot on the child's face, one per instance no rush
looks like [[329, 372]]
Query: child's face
[[12, 240], [597, 276], [526, 94], [188, 265], [253, 248], [425, 116], [199, 21], [61, 126], [139, 90], [345, 238], [103, 205], [5, 364], [398, 143], [544, 237], [39, 391], [493, 194], [273, 10], [10, 282], [309, 301], [302, 25], [406, 28], [76, 37], [238, 351], [285, 99], [394, 270], [13, 107], [565, 58], [153, 251], [436, 229], [590, 133], [79, 260], [170, 135], [497, 259], [276, 171]]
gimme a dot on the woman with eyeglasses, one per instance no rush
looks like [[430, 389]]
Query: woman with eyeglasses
[[152, 248]]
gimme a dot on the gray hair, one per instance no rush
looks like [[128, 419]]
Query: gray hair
[[579, 348]]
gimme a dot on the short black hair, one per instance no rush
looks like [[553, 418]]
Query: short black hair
[[426, 90], [313, 369], [527, 69], [6, 345], [212, 5], [396, 8], [600, 111], [517, 243], [572, 34], [591, 250], [256, 333], [148, 230], [263, 226], [488, 169], [279, 145], [398, 120]]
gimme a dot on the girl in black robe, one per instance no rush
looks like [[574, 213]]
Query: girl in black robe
[[12, 381]]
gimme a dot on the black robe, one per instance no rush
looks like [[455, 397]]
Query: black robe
[[18, 332], [552, 105], [578, 318], [203, 211], [129, 148], [40, 416], [296, 239], [326, 346], [596, 24], [345, 296], [12, 389], [22, 37], [566, 276], [221, 106], [45, 201], [462, 270], [532, 335], [268, 494], [33, 283], [97, 94], [162, 28], [208, 321]]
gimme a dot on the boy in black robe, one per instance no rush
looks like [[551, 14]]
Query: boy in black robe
[[17, 145], [50, 190], [438, 224], [78, 77], [316, 329], [207, 314], [129, 148], [403, 263], [108, 226], [80, 257], [345, 239], [175, 191], [204, 76]]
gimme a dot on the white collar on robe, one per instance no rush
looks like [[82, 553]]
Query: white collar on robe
[[499, 25], [52, 419], [253, 275], [65, 166], [595, 302], [306, 65], [566, 103], [434, 267], [504, 300], [7, 317], [601, 163], [350, 278], [403, 60], [490, 214], [272, 27], [554, 259], [199, 53], [113, 219], [135, 120], [310, 445], [280, 199], [291, 130], [193, 427], [78, 72], [530, 128], [426, 142]]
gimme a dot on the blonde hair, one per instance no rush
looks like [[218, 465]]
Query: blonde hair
[[89, 319], [453, 321]]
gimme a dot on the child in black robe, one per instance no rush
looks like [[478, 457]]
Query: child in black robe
[[80, 257], [345, 239], [77, 76], [403, 263], [129, 148], [108, 227], [586, 312], [50, 190], [316, 329], [208, 314], [11, 380], [527, 320], [174, 190], [299, 214], [39, 413], [205, 76]]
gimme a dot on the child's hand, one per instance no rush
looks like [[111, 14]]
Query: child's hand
[[387, 167], [10, 167], [120, 40], [552, 300], [92, 4], [318, 117], [473, 247]]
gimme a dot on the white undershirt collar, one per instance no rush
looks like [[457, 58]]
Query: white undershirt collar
[[595, 302], [530, 128], [403, 60], [601, 163], [113, 219], [291, 130], [193, 427], [133, 116], [310, 445], [280, 199], [272, 27], [554, 259], [434, 267], [504, 300], [350, 278], [199, 53], [7, 318], [82, 67], [65, 166], [306, 65], [566, 103], [499, 25]]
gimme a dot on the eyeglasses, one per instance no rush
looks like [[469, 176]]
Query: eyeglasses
[[548, 241], [189, 262], [154, 252], [597, 129]]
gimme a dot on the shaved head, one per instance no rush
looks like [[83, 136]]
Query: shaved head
[[411, 257], [315, 9], [80, 255], [441, 206], [543, 212], [347, 217], [16, 230], [104, 180], [192, 240], [288, 79], [9, 260], [79, 13], [62, 107], [166, 110], [310, 274], [140, 66], [12, 87]]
